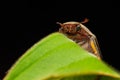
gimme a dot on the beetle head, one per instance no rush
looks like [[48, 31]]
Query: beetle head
[[69, 27]]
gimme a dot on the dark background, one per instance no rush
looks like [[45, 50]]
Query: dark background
[[22, 28]]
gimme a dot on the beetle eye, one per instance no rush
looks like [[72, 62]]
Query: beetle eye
[[78, 27]]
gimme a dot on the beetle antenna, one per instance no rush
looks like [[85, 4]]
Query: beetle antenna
[[85, 20], [59, 23]]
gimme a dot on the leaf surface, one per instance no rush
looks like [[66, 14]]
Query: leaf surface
[[56, 57]]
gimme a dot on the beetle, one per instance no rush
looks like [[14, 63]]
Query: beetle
[[81, 35]]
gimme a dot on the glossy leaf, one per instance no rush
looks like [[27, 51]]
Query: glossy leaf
[[58, 58]]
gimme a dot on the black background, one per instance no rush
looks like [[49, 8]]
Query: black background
[[22, 28]]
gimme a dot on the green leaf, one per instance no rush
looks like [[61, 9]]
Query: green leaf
[[58, 58]]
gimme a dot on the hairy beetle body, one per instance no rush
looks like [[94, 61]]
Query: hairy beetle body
[[81, 35]]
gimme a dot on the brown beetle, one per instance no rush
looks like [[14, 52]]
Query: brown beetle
[[81, 35]]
